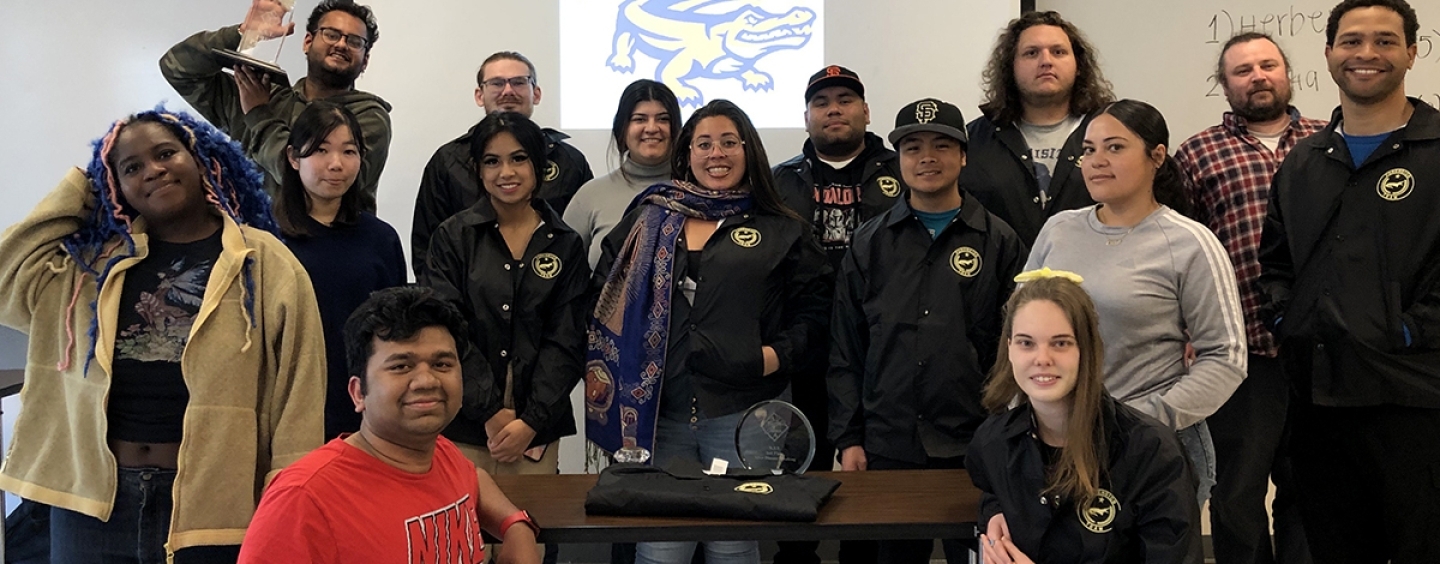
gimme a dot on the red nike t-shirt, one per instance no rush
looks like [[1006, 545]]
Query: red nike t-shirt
[[340, 504]]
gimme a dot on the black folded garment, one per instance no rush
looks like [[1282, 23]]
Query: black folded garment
[[638, 490]]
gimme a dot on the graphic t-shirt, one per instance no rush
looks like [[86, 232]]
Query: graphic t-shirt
[[158, 306], [837, 204], [1046, 142], [339, 504]]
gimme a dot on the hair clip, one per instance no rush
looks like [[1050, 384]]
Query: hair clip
[[1046, 272]]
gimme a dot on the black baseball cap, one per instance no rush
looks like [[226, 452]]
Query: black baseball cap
[[834, 75], [929, 114]]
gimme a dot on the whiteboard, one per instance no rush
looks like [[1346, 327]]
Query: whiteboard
[[1165, 52]]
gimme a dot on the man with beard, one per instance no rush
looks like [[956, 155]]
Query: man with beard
[[1228, 169], [506, 81], [1041, 85], [257, 113], [1350, 269], [842, 177]]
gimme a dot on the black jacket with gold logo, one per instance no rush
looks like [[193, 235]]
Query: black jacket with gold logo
[[451, 184], [915, 327], [1350, 266], [763, 282], [1146, 513], [527, 313]]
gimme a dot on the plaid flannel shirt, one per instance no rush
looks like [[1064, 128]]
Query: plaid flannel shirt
[[1228, 173]]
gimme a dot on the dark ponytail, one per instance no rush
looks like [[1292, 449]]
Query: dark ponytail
[[1170, 187]]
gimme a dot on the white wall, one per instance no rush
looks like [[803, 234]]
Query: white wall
[[69, 69]]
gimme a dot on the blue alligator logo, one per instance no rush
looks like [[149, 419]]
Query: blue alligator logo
[[690, 44]]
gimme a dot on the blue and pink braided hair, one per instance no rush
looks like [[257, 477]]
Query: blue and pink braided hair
[[232, 183]]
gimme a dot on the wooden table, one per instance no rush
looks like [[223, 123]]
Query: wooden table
[[890, 504]]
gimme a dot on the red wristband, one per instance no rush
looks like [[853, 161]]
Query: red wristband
[[520, 516]]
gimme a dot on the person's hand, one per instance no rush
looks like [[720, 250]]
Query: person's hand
[[510, 443], [852, 459], [770, 360], [498, 422], [1013, 552], [518, 546], [991, 551], [266, 18], [254, 87]]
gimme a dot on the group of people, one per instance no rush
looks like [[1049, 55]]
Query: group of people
[[1104, 335]]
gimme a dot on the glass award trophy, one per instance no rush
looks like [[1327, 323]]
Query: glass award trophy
[[630, 451], [774, 435], [265, 28]]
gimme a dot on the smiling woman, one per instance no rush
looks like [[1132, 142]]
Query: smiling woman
[[191, 302], [1113, 484], [347, 252]]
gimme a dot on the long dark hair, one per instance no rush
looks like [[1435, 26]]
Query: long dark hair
[[1149, 125], [1085, 457], [232, 183], [529, 135], [643, 90], [757, 166], [1002, 94], [311, 127]]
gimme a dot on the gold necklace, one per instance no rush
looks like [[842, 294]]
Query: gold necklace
[[1112, 242]]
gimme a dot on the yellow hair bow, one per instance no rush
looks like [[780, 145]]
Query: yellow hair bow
[[1046, 272]]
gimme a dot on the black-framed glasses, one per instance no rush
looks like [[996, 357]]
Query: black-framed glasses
[[727, 145], [499, 84], [333, 35]]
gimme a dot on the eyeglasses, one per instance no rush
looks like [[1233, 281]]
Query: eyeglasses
[[333, 35], [727, 146], [499, 84]]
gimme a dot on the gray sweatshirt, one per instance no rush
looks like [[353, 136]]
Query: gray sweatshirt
[[601, 202], [1151, 285]]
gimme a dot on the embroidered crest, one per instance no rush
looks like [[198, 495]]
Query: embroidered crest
[[552, 171], [965, 261], [546, 265], [1395, 185], [1099, 514], [761, 488], [888, 186], [745, 237]]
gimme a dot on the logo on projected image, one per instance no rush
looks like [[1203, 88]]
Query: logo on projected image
[[757, 54]]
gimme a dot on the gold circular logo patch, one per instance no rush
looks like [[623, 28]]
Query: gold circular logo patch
[[546, 265], [888, 186], [745, 237], [965, 261], [552, 171], [761, 488], [1396, 184], [1099, 514]]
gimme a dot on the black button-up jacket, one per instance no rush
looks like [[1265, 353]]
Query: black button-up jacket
[[527, 313], [915, 327], [998, 172], [450, 184], [775, 292], [1154, 517]]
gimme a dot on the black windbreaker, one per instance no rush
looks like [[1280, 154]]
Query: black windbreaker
[[529, 313], [1152, 518], [450, 184], [998, 172], [915, 328], [1350, 263], [775, 293]]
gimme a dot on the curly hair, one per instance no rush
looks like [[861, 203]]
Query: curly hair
[[1002, 94], [232, 183]]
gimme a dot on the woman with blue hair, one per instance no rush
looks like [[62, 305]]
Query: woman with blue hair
[[172, 366]]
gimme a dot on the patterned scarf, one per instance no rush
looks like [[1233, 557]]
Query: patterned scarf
[[629, 330]]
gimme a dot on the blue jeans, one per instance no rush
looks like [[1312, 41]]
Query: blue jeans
[[138, 528], [703, 441], [1195, 439]]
